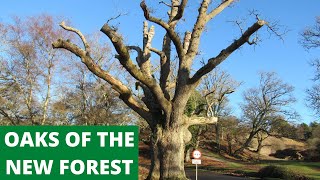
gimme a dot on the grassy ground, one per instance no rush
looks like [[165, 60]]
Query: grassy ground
[[220, 164], [232, 166], [229, 166], [310, 169]]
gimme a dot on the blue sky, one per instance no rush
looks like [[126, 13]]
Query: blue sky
[[287, 57]]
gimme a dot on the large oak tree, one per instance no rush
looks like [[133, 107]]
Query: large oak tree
[[164, 101]]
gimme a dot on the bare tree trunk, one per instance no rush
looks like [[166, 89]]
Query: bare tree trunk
[[84, 99], [246, 144], [217, 126], [154, 173], [46, 101], [198, 137], [259, 147], [167, 154], [222, 135], [29, 105], [187, 154], [171, 154], [260, 140], [29, 96], [229, 139]]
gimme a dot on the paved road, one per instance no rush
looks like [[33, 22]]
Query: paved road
[[207, 175]]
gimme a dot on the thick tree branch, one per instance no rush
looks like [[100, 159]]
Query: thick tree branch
[[124, 59], [198, 29], [124, 91], [191, 45], [148, 35], [219, 9], [184, 65], [165, 64], [139, 52], [136, 48], [170, 30], [83, 39], [202, 19], [158, 52], [180, 12], [190, 52], [124, 56], [213, 62], [70, 47], [186, 41], [164, 71], [195, 120]]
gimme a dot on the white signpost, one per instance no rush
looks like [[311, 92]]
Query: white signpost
[[196, 154], [196, 161]]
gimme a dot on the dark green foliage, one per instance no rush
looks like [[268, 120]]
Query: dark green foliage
[[195, 104], [290, 153], [304, 131], [280, 126], [280, 172]]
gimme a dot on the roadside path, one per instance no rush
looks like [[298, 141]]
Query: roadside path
[[208, 175]]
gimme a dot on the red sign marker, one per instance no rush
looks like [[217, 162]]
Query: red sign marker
[[196, 154]]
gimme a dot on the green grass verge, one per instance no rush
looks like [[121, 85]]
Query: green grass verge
[[309, 169]]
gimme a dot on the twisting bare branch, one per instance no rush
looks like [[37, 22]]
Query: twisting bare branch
[[196, 120], [124, 59], [116, 17], [273, 27], [202, 19], [167, 4], [164, 72], [136, 48], [255, 13], [124, 91], [253, 41], [139, 52], [144, 62], [213, 62], [172, 34], [180, 12], [186, 41], [84, 41], [219, 9], [239, 24], [157, 51]]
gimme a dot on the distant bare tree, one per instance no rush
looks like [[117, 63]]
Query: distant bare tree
[[28, 66], [311, 40], [311, 36], [234, 132], [86, 99], [217, 85], [263, 104], [211, 101], [42, 32], [21, 72], [313, 98]]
